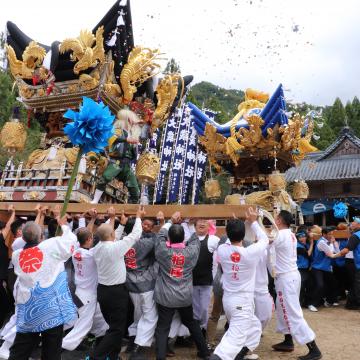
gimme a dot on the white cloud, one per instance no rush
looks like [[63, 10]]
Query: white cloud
[[233, 43]]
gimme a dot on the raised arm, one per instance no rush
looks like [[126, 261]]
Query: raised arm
[[93, 217], [6, 230], [123, 246], [311, 247], [111, 213], [63, 245], [322, 246], [120, 229], [262, 239]]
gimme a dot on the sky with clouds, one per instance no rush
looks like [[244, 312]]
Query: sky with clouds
[[311, 46]]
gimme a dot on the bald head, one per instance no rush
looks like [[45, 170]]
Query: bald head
[[105, 232]]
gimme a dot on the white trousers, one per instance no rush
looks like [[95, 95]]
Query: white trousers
[[145, 318], [177, 328], [244, 326], [264, 308], [8, 334], [91, 321], [201, 303], [290, 318]]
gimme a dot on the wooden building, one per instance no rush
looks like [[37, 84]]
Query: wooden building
[[332, 175]]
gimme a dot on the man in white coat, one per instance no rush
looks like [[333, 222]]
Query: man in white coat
[[290, 318], [90, 317], [239, 269]]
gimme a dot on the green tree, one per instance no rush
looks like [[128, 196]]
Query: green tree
[[172, 67], [354, 121], [214, 104], [327, 136], [336, 117]]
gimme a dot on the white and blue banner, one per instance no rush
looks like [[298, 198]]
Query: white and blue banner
[[179, 156], [189, 166], [166, 154]]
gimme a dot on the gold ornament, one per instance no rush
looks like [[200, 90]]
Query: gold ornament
[[38, 160], [139, 68], [212, 189], [234, 199], [83, 50], [250, 138], [277, 182], [300, 191], [166, 92], [147, 168], [260, 198], [88, 82], [251, 94], [13, 136], [32, 58], [34, 195], [214, 143]]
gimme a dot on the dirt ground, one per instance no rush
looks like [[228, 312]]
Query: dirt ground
[[337, 331]]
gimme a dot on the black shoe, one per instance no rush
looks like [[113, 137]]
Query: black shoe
[[131, 345], [214, 357], [313, 354], [286, 346], [170, 349], [242, 353], [137, 353], [182, 341]]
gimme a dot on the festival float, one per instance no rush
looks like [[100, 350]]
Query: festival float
[[159, 149]]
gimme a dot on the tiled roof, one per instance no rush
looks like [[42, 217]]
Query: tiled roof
[[320, 166], [332, 169]]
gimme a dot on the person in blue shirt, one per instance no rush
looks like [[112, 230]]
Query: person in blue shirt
[[321, 270], [304, 250], [341, 275], [354, 245]]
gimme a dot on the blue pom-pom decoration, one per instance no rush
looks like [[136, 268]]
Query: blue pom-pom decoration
[[92, 126], [340, 210]]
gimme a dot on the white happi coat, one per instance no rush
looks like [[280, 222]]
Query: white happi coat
[[43, 299]]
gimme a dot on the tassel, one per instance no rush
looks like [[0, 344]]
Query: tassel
[[28, 118], [52, 153], [82, 166]]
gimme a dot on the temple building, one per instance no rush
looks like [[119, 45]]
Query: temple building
[[332, 175]]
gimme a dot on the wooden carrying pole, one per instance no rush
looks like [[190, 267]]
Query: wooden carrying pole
[[187, 211]]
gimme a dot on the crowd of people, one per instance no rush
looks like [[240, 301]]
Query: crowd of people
[[116, 278], [328, 267]]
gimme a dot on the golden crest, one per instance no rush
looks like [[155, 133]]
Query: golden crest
[[140, 67], [84, 52], [166, 92], [251, 94], [32, 58]]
